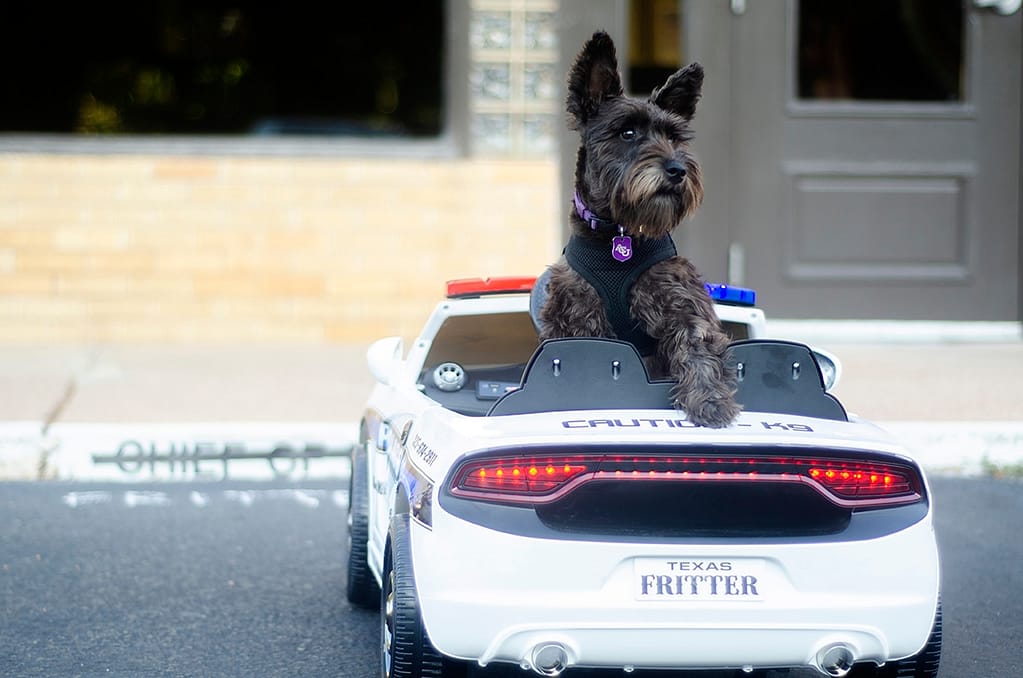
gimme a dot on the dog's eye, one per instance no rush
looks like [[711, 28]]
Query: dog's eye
[[628, 135]]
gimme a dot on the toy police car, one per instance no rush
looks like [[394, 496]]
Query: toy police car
[[542, 506]]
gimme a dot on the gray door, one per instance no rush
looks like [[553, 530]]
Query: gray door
[[873, 157]]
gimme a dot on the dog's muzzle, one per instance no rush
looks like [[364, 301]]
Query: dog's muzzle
[[675, 171]]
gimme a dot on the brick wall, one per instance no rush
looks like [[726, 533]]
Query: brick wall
[[193, 249]]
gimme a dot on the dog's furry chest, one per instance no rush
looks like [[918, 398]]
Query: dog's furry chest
[[613, 280]]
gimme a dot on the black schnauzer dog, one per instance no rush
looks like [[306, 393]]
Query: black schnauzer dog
[[621, 277]]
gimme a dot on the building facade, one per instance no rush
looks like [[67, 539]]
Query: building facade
[[834, 192]]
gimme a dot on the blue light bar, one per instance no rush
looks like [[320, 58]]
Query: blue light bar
[[735, 296]]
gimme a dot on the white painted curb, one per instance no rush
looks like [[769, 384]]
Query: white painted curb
[[144, 452], [22, 446]]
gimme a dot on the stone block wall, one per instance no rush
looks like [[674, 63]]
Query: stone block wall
[[128, 248]]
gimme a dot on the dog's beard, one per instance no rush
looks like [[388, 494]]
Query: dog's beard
[[650, 206]]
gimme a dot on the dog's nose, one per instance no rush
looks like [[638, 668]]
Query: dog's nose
[[675, 170]]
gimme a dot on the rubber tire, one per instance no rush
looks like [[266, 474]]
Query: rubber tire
[[922, 665], [411, 654], [361, 586]]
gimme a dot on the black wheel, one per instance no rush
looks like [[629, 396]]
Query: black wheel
[[922, 665], [405, 649], [362, 589]]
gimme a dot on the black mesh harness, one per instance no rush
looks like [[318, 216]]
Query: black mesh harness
[[591, 258]]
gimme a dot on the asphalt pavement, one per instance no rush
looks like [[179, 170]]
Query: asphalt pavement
[[107, 412], [229, 579]]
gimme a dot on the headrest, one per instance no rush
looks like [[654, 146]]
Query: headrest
[[584, 374]]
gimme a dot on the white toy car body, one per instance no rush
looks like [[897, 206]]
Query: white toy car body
[[564, 516]]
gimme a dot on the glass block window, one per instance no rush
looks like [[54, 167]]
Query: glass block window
[[513, 77]]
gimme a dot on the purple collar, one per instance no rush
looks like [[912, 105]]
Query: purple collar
[[621, 244], [592, 219]]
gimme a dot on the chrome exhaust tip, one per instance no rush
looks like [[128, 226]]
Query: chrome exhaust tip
[[835, 660], [549, 659]]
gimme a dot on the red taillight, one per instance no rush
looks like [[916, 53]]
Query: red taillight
[[540, 479], [853, 481], [522, 476]]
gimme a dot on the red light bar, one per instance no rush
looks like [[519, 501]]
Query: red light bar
[[475, 287], [539, 479]]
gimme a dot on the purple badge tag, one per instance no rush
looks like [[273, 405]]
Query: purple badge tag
[[621, 248]]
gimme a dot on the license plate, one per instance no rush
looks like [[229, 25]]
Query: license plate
[[700, 579]]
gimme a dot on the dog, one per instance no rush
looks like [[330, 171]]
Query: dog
[[620, 276]]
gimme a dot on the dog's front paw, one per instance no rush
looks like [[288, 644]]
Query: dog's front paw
[[715, 413]]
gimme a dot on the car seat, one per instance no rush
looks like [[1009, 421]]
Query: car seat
[[584, 374], [782, 377]]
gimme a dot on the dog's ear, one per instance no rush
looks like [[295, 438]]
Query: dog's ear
[[594, 78], [681, 91]]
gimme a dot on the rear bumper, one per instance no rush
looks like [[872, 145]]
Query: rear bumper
[[489, 597]]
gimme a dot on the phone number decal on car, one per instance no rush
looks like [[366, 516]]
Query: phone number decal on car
[[699, 580]]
